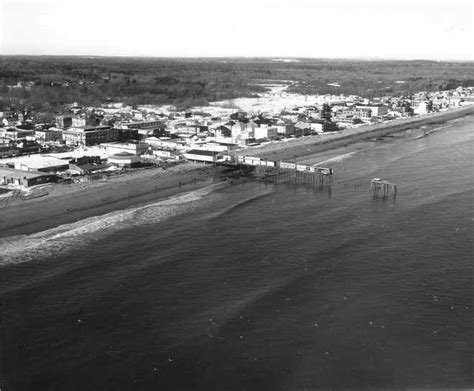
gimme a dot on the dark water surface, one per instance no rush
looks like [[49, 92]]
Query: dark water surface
[[257, 287]]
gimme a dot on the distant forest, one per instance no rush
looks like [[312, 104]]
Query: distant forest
[[92, 81]]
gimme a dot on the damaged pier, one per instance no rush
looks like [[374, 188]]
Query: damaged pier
[[382, 188]]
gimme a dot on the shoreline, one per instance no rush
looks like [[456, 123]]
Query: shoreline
[[70, 203], [309, 145]]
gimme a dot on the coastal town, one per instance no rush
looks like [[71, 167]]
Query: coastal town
[[86, 143]]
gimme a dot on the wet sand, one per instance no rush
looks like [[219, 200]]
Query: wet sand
[[69, 203], [308, 145]]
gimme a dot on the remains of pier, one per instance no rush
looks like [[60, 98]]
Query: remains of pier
[[382, 188]]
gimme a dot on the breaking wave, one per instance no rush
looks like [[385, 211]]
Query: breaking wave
[[24, 248], [337, 159]]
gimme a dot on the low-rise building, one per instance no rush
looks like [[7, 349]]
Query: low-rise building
[[135, 148], [41, 163], [265, 132], [10, 176], [203, 156], [124, 159]]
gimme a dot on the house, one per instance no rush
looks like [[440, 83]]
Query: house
[[302, 129], [22, 178], [285, 129]]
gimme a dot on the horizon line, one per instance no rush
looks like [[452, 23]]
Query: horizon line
[[361, 58]]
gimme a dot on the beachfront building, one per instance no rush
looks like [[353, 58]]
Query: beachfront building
[[199, 155], [11, 176], [265, 132], [40, 163], [376, 110], [285, 128], [124, 159]]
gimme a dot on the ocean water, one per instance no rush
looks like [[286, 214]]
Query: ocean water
[[258, 287]]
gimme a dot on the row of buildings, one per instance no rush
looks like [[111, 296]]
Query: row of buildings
[[126, 137]]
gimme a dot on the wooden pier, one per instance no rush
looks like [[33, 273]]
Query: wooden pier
[[297, 174], [382, 188]]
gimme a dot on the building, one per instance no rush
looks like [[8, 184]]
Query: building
[[285, 129], [378, 110], [173, 144], [64, 121], [265, 132], [124, 159], [203, 156], [16, 134], [135, 148], [41, 163], [10, 176], [219, 147], [48, 135], [90, 135], [8, 148]]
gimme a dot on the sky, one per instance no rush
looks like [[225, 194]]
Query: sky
[[401, 29]]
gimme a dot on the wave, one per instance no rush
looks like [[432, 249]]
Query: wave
[[337, 159], [242, 203], [24, 248]]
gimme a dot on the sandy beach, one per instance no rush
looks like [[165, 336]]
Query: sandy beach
[[69, 203], [73, 202], [309, 145]]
